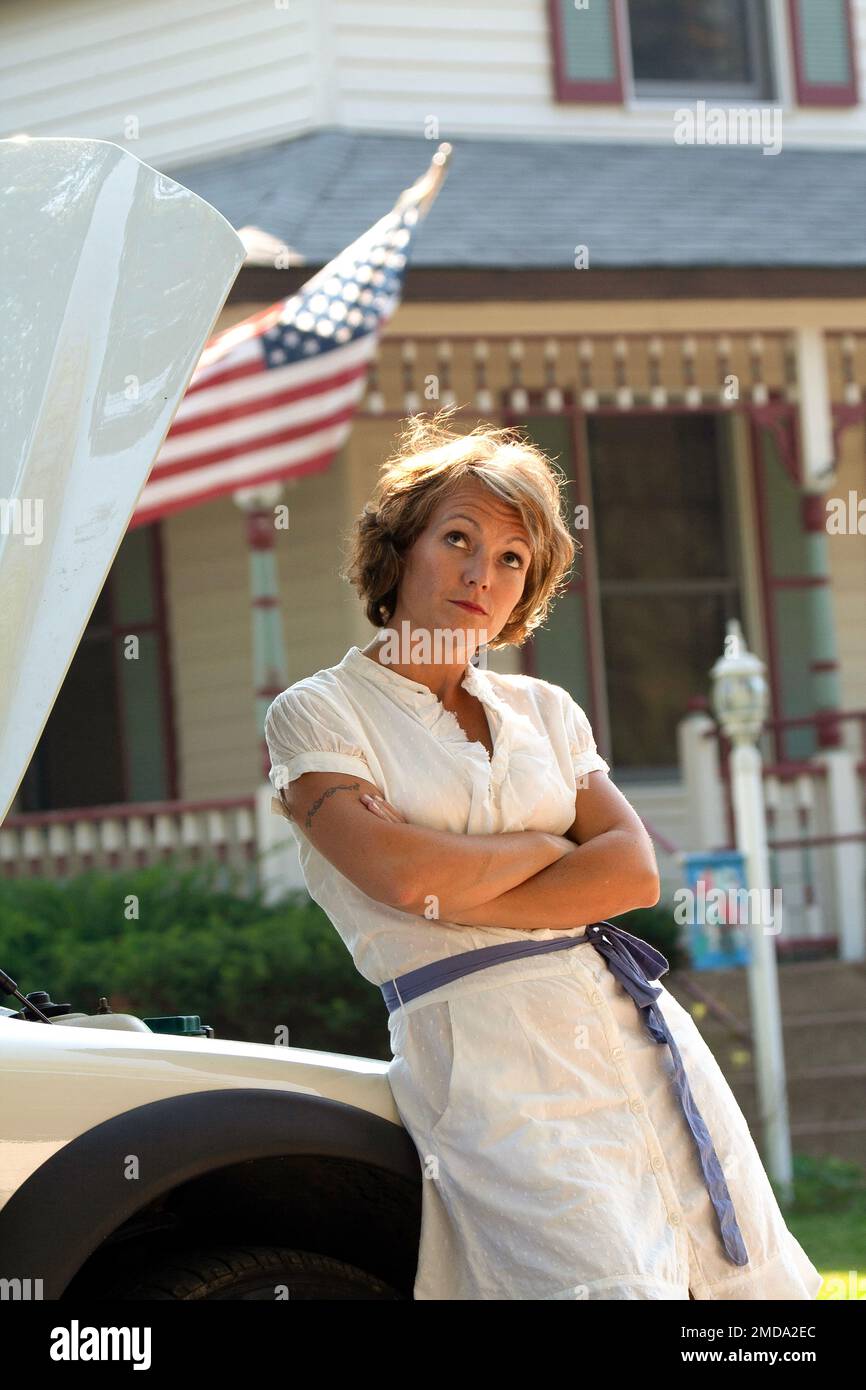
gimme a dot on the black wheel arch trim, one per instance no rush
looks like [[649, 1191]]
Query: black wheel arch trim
[[166, 1136]]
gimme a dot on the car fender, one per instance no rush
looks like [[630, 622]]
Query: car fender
[[172, 1141]]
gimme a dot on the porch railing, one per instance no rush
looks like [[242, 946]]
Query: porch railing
[[54, 844], [816, 826]]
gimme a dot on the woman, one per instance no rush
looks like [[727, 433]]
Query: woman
[[441, 809]]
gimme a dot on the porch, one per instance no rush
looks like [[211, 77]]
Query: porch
[[631, 642]]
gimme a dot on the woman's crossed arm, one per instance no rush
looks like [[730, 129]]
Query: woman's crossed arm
[[611, 868], [410, 866], [523, 880]]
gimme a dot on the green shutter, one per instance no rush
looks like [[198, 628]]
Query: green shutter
[[585, 51], [821, 32]]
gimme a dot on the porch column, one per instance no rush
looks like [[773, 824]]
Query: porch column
[[270, 669], [817, 462]]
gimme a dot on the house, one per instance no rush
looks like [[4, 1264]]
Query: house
[[649, 253]]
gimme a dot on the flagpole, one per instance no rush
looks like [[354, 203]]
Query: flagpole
[[421, 194]]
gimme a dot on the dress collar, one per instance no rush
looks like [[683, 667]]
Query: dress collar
[[520, 769], [400, 685], [429, 709]]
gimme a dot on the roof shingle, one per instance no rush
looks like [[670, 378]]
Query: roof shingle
[[530, 203]]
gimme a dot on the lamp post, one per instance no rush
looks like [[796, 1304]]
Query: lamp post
[[739, 700]]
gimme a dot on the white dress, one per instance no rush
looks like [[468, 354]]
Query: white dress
[[556, 1160]]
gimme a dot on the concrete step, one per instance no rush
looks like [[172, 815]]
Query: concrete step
[[824, 1031], [816, 1095], [804, 986], [833, 1038]]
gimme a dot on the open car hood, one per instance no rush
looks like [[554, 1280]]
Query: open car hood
[[112, 277]]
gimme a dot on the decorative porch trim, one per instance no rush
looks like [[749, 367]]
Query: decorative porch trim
[[700, 370]]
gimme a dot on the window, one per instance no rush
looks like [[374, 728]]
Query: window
[[657, 576], [699, 48], [108, 738], [665, 539], [684, 50]]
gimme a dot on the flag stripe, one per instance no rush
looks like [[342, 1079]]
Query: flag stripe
[[287, 430], [261, 385], [319, 463], [280, 460]]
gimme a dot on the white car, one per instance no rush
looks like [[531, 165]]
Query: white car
[[135, 1164]]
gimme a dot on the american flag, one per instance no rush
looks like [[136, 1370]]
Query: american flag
[[274, 396]]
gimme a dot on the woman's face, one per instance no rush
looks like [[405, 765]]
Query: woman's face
[[474, 550]]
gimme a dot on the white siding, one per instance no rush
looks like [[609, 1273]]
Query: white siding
[[178, 81], [167, 79]]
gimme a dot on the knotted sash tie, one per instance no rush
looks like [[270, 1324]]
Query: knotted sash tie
[[635, 964]]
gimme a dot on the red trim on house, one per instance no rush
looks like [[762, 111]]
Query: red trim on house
[[260, 529], [124, 811], [814, 511], [588, 586], [815, 93], [766, 584], [566, 88], [507, 417], [801, 581]]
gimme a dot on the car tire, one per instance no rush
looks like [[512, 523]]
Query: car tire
[[252, 1272]]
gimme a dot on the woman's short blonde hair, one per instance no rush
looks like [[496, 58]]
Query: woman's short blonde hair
[[430, 461]]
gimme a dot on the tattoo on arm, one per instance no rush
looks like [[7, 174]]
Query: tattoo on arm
[[346, 787]]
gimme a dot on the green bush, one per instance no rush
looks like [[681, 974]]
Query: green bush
[[163, 940], [826, 1184]]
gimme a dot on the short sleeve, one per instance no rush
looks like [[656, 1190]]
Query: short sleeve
[[305, 732], [585, 757]]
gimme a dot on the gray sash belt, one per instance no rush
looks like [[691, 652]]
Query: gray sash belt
[[635, 964]]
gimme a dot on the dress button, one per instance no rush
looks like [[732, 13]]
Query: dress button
[[618, 1052], [636, 1105], [658, 1163], [596, 997], [675, 1218]]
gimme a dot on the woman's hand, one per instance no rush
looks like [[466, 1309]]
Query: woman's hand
[[378, 806]]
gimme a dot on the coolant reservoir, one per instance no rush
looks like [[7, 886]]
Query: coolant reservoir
[[127, 1022]]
